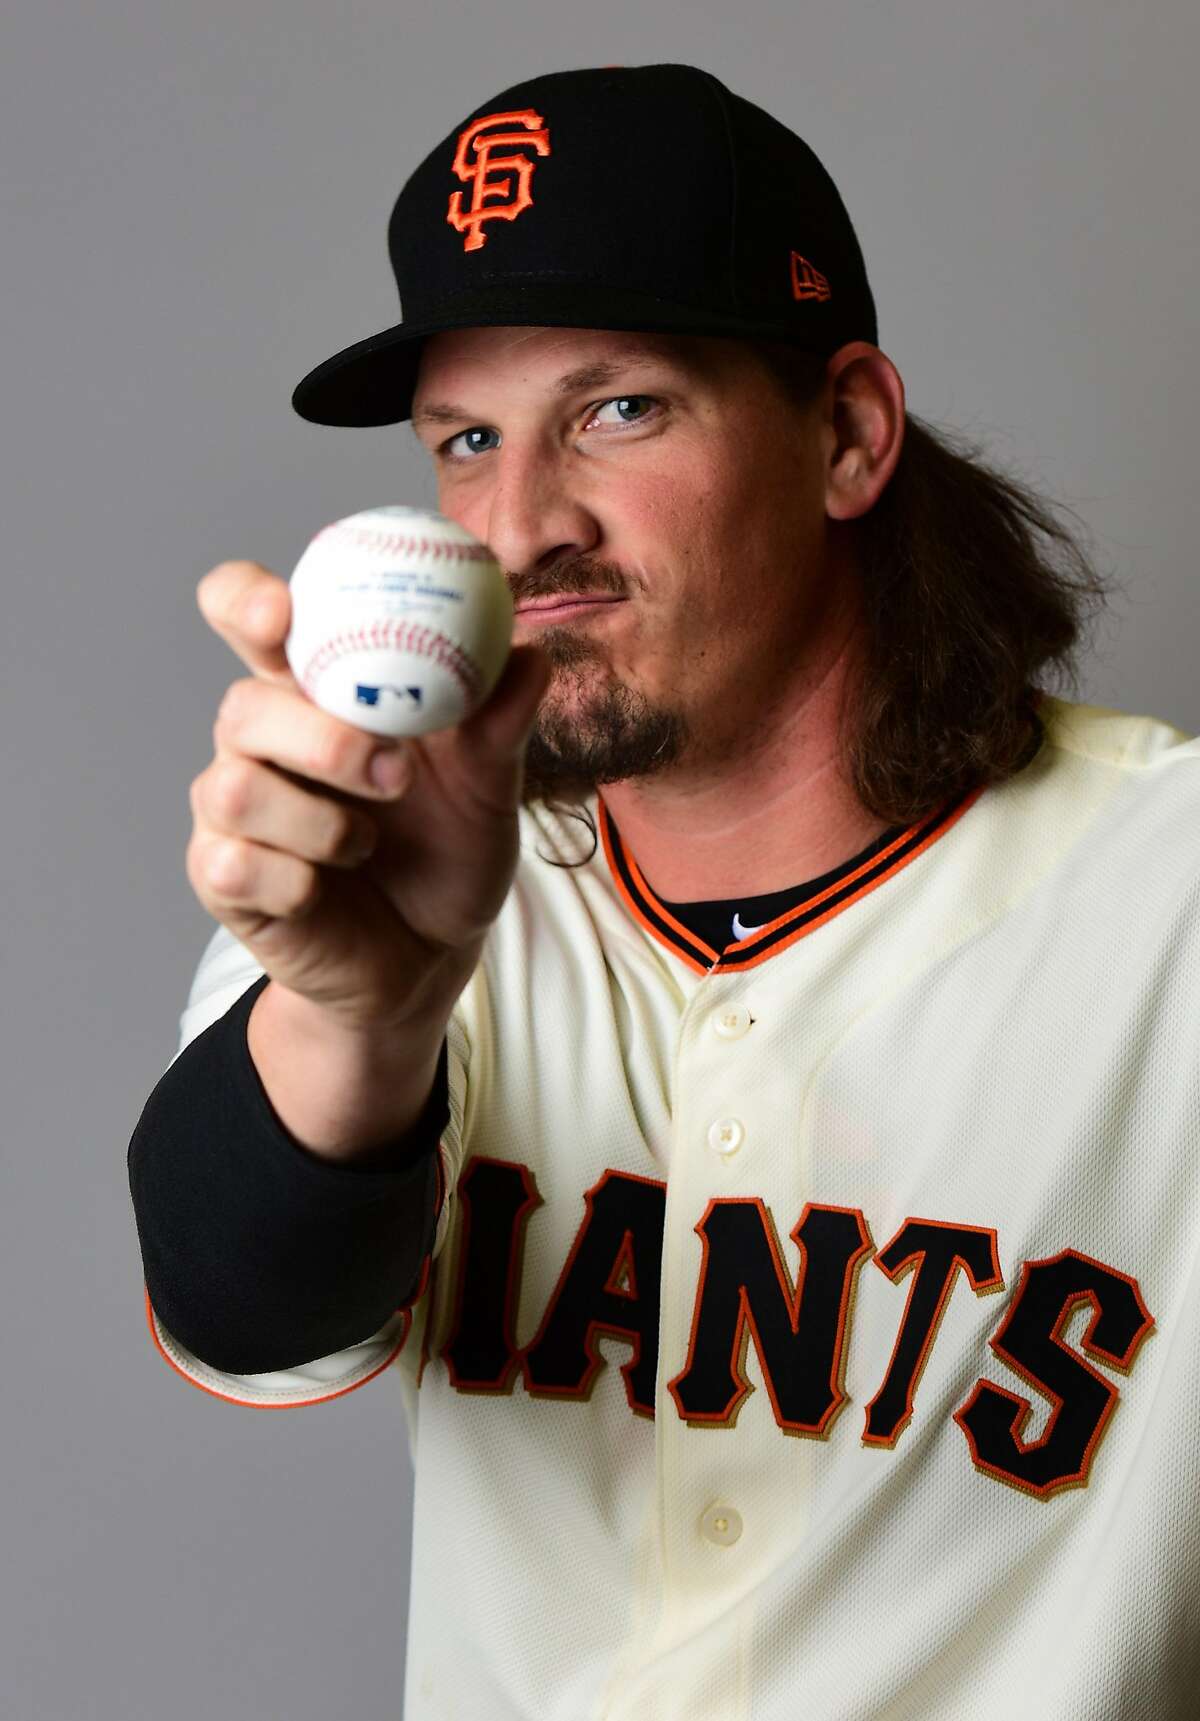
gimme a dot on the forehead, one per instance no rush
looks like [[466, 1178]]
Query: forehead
[[558, 359]]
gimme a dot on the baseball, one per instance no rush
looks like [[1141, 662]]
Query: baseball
[[401, 621]]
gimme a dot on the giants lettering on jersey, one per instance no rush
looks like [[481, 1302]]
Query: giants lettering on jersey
[[609, 1284]]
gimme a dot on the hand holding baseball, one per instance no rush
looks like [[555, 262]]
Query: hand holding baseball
[[354, 895]]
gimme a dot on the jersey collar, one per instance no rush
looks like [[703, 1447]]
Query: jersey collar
[[652, 913]]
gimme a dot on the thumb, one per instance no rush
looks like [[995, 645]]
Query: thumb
[[250, 608]]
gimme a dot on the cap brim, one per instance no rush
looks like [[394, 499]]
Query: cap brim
[[372, 382]]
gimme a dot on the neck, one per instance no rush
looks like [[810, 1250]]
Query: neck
[[774, 814]]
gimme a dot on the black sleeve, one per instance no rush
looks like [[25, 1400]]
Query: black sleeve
[[258, 1254]]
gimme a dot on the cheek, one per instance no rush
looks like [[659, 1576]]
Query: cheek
[[457, 504], [692, 547], [665, 520]]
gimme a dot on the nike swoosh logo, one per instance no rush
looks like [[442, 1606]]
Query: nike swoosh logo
[[740, 931]]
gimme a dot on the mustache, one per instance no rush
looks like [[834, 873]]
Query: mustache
[[580, 574]]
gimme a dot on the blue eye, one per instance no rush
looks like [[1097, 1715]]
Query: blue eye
[[623, 400], [476, 430]]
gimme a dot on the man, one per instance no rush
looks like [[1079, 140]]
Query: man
[[783, 1218]]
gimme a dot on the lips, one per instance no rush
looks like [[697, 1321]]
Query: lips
[[564, 604]]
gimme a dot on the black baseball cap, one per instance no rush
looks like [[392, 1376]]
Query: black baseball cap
[[617, 197]]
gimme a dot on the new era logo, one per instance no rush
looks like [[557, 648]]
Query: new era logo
[[807, 282]]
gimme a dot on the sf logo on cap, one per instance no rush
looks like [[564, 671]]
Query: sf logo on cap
[[534, 136]]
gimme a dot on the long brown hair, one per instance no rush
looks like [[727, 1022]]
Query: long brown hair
[[974, 596]]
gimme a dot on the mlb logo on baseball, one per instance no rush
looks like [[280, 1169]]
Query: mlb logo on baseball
[[405, 695]]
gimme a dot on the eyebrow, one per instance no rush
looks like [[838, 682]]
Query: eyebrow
[[573, 382]]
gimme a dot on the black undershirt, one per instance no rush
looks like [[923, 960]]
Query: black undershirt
[[713, 920], [258, 1254]]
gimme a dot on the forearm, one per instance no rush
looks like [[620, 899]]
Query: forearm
[[344, 1095], [257, 1252]]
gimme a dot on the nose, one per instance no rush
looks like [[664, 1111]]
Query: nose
[[534, 514]]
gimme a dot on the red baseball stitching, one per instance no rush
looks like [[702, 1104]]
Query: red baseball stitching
[[403, 636], [396, 544]]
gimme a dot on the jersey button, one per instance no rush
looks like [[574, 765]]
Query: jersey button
[[726, 1136], [731, 1024], [721, 1525]]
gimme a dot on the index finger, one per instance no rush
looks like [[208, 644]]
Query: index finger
[[251, 609]]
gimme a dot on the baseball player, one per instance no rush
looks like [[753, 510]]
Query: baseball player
[[743, 1082]]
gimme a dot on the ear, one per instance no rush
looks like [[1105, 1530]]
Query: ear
[[866, 417]]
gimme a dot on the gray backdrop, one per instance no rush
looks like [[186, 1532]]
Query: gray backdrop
[[196, 198]]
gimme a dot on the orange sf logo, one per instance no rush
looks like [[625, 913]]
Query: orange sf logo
[[470, 221]]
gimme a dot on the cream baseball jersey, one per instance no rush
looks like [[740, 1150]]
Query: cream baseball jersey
[[813, 1323]]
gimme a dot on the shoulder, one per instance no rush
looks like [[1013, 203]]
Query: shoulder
[[1127, 785], [1121, 740]]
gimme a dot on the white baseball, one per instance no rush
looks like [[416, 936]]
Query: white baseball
[[401, 621]]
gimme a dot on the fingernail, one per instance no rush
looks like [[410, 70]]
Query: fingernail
[[389, 768]]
